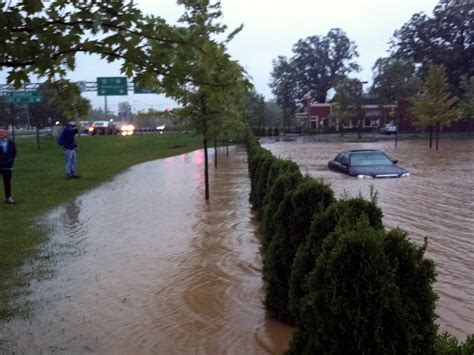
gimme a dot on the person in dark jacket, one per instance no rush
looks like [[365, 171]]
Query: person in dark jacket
[[7, 157], [69, 144]]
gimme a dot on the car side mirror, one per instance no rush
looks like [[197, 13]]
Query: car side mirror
[[395, 161]]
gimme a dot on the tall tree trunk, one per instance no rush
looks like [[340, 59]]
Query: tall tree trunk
[[206, 171], [215, 153], [437, 134], [431, 136], [396, 137]]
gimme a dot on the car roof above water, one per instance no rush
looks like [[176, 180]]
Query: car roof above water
[[363, 150]]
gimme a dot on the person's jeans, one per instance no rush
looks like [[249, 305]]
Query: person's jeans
[[70, 156], [7, 177]]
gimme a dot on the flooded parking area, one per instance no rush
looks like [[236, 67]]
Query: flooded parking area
[[143, 264], [436, 201]]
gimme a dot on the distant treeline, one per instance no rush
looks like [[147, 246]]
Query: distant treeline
[[347, 284]]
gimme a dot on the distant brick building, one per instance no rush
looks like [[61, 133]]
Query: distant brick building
[[317, 116]]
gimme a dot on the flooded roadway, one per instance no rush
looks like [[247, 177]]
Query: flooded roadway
[[144, 265], [436, 201]]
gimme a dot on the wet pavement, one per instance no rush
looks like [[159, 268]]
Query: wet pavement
[[144, 265]]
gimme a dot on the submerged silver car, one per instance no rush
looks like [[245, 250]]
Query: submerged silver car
[[367, 163]]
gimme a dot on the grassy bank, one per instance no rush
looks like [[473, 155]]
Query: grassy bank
[[39, 184]]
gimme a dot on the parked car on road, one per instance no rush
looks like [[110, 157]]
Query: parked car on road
[[367, 163], [390, 128], [103, 128]]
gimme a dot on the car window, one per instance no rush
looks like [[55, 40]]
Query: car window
[[345, 158], [370, 158], [338, 157]]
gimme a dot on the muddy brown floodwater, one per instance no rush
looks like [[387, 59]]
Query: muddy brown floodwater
[[144, 265], [436, 201]]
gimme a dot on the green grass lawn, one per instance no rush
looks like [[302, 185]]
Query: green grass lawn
[[39, 183]]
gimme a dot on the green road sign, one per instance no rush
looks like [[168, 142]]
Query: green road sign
[[139, 90], [111, 86], [24, 97]]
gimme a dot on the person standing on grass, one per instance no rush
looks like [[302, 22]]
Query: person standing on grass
[[68, 141], [7, 157]]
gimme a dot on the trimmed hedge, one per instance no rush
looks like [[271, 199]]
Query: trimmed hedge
[[446, 344], [331, 268], [294, 217], [280, 186], [360, 298], [340, 213]]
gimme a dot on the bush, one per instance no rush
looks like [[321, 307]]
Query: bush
[[343, 212], [259, 155], [283, 176], [414, 276], [370, 292], [446, 344], [294, 218], [261, 180]]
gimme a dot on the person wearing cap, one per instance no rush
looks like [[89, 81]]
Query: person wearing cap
[[7, 157], [69, 145]]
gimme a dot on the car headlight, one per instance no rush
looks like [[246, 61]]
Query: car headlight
[[405, 175], [364, 177]]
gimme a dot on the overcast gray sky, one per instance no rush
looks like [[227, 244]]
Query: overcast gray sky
[[271, 27]]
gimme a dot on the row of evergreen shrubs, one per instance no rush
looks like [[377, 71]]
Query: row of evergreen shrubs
[[333, 270], [266, 131]]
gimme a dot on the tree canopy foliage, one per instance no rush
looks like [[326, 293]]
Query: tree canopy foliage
[[347, 101], [283, 87], [435, 106], [317, 65], [394, 79], [43, 38], [320, 61], [212, 96], [446, 38], [467, 103]]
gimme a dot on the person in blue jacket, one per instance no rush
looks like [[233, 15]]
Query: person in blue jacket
[[68, 141], [7, 157]]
